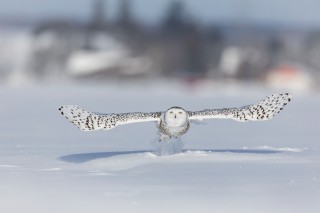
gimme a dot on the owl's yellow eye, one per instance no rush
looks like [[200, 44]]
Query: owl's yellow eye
[[180, 113], [171, 112]]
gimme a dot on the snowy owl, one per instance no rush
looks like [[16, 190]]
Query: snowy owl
[[175, 121]]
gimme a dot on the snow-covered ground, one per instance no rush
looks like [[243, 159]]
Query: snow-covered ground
[[48, 165]]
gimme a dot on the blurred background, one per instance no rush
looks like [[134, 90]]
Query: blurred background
[[270, 43], [114, 56]]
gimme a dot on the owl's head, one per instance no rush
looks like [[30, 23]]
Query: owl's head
[[175, 117]]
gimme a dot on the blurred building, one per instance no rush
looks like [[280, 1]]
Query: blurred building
[[290, 77]]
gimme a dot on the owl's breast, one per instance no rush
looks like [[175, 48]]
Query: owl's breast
[[173, 130]]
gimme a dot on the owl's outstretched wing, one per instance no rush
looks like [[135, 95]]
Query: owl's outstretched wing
[[90, 121], [263, 110]]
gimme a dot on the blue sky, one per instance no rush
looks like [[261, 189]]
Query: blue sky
[[281, 12]]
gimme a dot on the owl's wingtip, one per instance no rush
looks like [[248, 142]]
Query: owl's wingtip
[[288, 95]]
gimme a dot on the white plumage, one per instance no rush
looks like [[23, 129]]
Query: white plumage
[[175, 121]]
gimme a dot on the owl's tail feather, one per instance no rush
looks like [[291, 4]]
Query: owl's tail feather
[[87, 121]]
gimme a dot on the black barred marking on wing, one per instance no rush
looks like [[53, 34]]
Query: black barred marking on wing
[[89, 121], [84, 120], [263, 110], [109, 122]]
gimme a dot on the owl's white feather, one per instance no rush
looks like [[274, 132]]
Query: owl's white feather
[[90, 121], [261, 111]]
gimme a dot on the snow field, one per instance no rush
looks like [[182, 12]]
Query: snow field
[[48, 165]]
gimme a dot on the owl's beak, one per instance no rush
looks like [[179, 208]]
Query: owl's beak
[[175, 116]]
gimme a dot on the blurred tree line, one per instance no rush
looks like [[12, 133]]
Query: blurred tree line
[[178, 46]]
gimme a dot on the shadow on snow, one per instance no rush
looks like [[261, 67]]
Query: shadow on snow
[[85, 157]]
